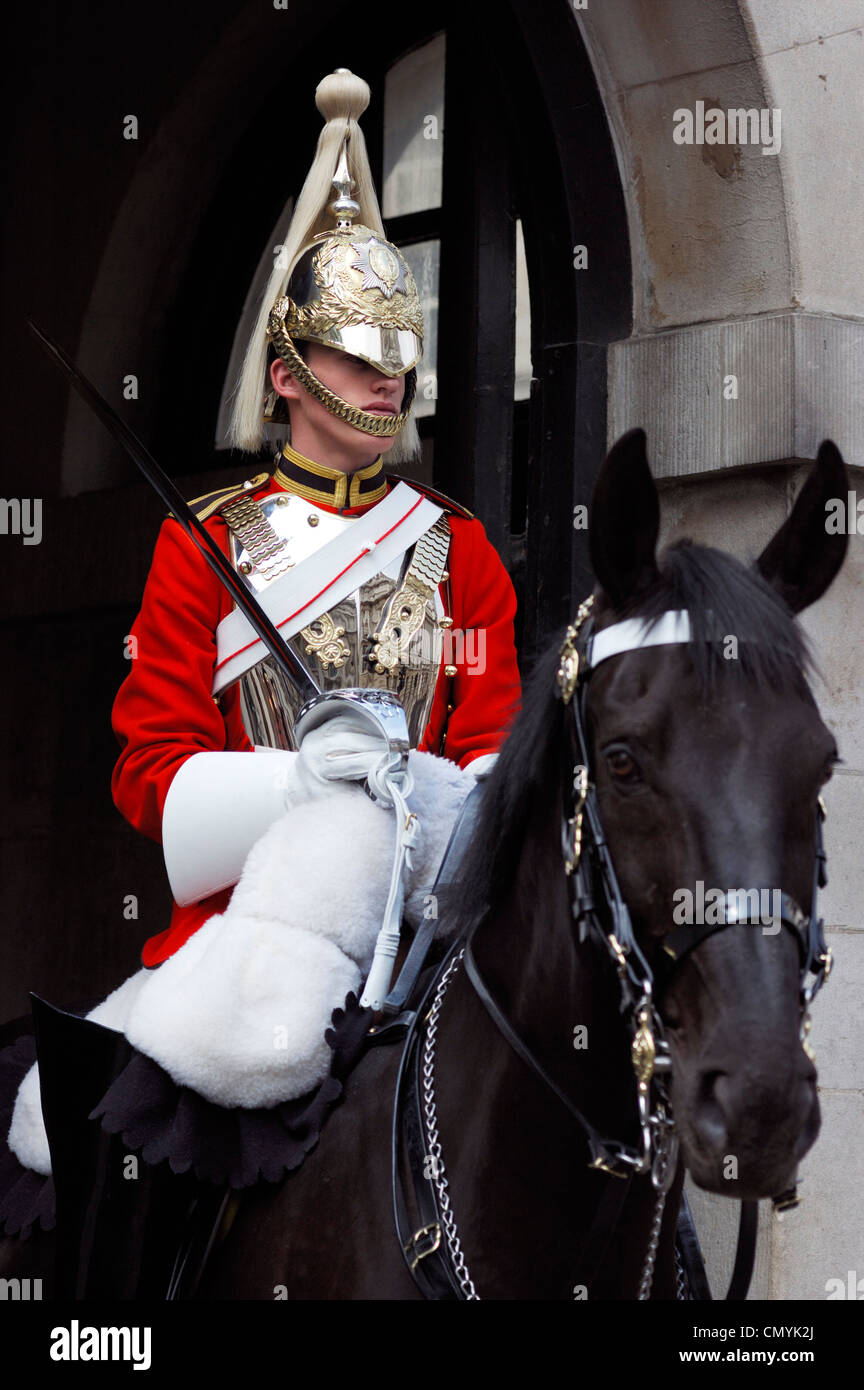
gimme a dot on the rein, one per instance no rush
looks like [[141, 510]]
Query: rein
[[594, 893]]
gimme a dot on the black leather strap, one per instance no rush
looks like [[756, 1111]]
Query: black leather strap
[[601, 1231], [686, 937], [609, 1152], [412, 967], [745, 1253]]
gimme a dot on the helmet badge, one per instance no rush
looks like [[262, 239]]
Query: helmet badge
[[381, 270]]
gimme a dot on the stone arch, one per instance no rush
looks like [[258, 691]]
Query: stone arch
[[733, 273]]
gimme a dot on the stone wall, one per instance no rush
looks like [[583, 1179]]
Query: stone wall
[[746, 351]]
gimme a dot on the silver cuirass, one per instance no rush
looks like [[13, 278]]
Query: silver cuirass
[[386, 634]]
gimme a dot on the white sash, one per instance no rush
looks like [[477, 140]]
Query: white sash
[[297, 598]]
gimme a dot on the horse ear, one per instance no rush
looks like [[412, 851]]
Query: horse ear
[[804, 557], [625, 521]]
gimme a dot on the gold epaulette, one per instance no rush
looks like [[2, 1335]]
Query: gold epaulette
[[211, 502], [434, 496]]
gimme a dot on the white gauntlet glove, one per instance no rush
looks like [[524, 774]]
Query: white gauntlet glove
[[218, 806], [344, 749]]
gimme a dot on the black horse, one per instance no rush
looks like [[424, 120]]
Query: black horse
[[707, 758]]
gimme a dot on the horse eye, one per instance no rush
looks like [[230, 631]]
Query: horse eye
[[622, 765]]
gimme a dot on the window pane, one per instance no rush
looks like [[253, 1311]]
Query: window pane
[[414, 131], [423, 258], [522, 378]]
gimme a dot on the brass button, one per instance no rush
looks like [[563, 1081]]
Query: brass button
[[445, 575], [449, 670], [445, 622], [282, 501], [245, 567], [313, 519]]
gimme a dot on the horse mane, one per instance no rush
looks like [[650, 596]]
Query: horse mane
[[725, 599]]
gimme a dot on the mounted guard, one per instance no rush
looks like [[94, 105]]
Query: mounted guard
[[284, 723]]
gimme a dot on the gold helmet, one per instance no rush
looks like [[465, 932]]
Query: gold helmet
[[354, 291]]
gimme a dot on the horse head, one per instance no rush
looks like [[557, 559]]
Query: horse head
[[708, 755]]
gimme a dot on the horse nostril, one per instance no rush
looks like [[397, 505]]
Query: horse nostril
[[709, 1113], [708, 1083]]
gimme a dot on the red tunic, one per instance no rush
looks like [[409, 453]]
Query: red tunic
[[165, 712]]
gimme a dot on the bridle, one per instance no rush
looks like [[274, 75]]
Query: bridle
[[588, 865], [600, 913], [595, 896]]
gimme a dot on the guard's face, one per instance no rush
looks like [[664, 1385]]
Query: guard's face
[[317, 433]]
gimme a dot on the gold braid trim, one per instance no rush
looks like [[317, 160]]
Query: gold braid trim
[[365, 420]]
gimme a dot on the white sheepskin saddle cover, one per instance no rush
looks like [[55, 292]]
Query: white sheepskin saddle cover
[[239, 1012]]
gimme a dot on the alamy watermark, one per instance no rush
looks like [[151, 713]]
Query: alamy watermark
[[736, 126], [20, 1290], [761, 907], [77, 1343], [849, 1288], [844, 516], [21, 516], [462, 648]]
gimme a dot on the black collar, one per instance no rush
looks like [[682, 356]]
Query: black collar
[[328, 486]]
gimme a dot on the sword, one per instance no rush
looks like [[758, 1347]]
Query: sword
[[290, 665]]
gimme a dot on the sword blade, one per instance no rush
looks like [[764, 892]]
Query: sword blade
[[290, 665]]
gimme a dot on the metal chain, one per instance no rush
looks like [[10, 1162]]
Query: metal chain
[[439, 1177], [665, 1147], [682, 1283], [366, 420], [651, 1254]]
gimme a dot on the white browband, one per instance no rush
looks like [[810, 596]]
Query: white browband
[[633, 633]]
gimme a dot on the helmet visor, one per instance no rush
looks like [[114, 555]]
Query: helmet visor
[[394, 351]]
